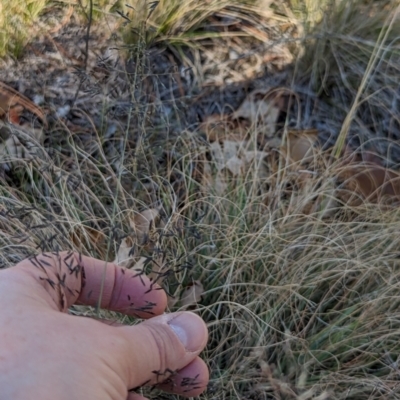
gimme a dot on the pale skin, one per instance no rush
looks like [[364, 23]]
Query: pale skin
[[47, 354]]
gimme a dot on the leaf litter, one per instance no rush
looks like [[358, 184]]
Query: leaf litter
[[191, 295], [230, 149]]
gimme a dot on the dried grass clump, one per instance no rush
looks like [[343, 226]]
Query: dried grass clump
[[351, 60], [17, 17], [299, 305], [187, 22]]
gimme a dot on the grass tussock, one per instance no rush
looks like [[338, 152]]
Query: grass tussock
[[141, 22], [301, 289], [351, 61], [174, 22], [17, 18], [299, 305]]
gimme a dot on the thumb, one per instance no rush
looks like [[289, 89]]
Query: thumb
[[156, 350]]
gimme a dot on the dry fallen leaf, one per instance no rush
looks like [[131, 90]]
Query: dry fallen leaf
[[18, 143], [220, 127], [372, 182], [172, 300], [256, 159], [300, 145], [262, 108], [232, 158], [192, 294], [220, 184], [217, 155], [12, 104], [125, 259], [84, 236], [235, 165], [226, 156], [139, 265], [123, 256], [142, 222], [366, 179]]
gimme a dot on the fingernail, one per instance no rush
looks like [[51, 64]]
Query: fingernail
[[190, 329]]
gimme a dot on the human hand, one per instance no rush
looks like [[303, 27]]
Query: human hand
[[47, 354]]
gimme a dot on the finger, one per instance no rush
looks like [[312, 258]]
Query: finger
[[135, 396], [189, 382], [70, 278], [157, 348]]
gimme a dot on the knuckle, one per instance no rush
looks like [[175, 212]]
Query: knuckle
[[160, 347]]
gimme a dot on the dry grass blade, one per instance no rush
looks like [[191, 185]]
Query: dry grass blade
[[192, 294]]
